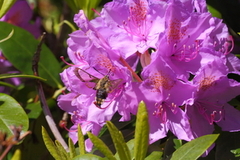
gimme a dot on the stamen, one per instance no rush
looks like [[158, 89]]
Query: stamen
[[62, 124], [186, 53], [2, 57], [94, 10], [160, 112], [210, 116], [137, 24], [228, 42], [73, 65], [173, 108], [82, 124], [224, 45], [214, 115], [131, 70], [63, 121]]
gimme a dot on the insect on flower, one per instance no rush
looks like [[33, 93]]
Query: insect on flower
[[103, 86]]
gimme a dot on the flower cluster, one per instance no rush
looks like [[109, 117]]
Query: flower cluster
[[181, 54], [20, 15]]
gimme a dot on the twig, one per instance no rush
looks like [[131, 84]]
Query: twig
[[46, 111], [12, 140], [5, 151]]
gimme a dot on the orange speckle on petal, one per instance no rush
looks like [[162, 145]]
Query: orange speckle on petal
[[206, 83], [175, 32], [160, 80]]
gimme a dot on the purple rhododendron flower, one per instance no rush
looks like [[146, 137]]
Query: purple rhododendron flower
[[184, 56], [210, 100], [20, 15], [161, 91]]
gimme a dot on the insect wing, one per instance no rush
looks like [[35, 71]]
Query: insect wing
[[114, 84], [86, 77]]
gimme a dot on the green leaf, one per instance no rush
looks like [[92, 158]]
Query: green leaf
[[1, 3], [92, 4], [14, 75], [141, 132], [72, 150], [87, 157], [34, 110], [225, 143], [214, 12], [7, 85], [11, 113], [119, 143], [103, 130], [6, 5], [130, 145], [21, 54], [69, 24], [17, 155], [236, 152], [50, 145], [85, 5], [61, 150], [154, 155], [72, 5], [195, 148], [81, 141], [98, 143], [178, 143]]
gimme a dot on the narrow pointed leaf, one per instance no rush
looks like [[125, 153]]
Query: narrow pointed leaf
[[236, 152], [61, 150], [154, 155], [130, 145], [119, 143], [50, 145], [92, 5], [72, 5], [69, 24], [1, 3], [81, 141], [177, 143], [7, 85], [19, 50], [78, 3], [72, 150], [14, 75], [194, 148], [87, 6], [11, 114], [88, 157], [17, 155], [6, 5], [141, 132], [98, 143], [214, 12]]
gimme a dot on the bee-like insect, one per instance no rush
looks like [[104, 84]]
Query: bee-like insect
[[103, 86]]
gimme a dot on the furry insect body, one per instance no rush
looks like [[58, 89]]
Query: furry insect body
[[103, 86]]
